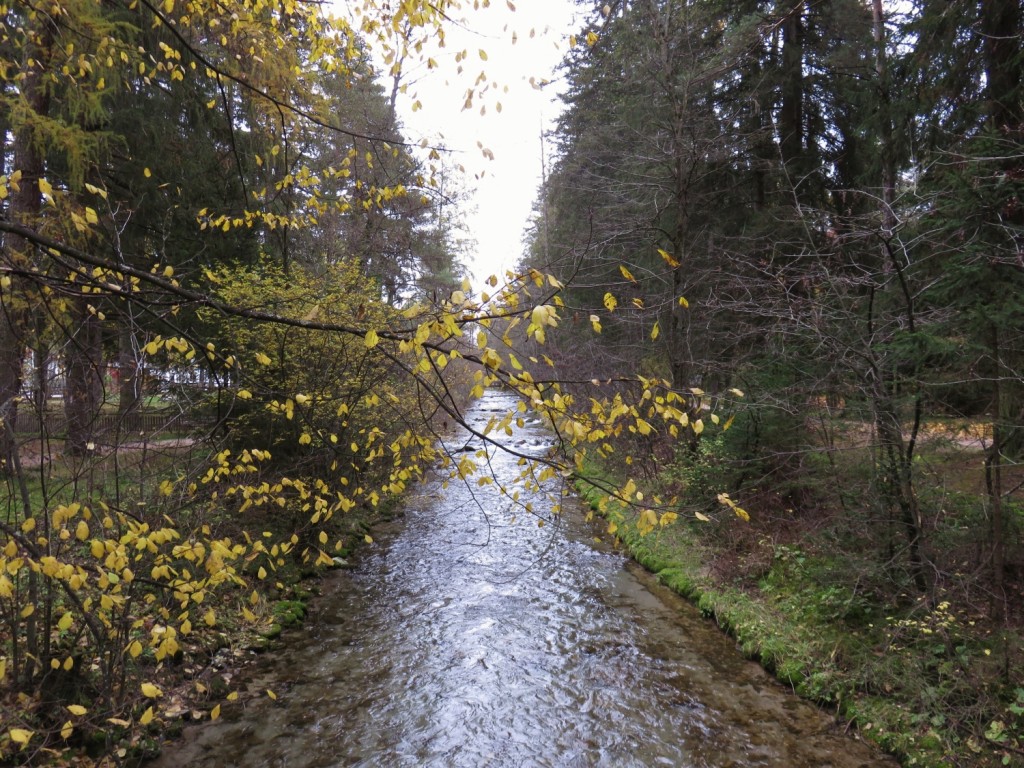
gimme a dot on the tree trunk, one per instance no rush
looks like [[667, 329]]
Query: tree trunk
[[12, 347], [1001, 31], [25, 208], [888, 155], [994, 482], [129, 381], [10, 344], [897, 483], [83, 385], [791, 113], [15, 317]]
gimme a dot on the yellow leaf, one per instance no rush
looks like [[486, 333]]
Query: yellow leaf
[[271, 694], [90, 216], [372, 339], [244, 394], [626, 273], [146, 172], [65, 622], [368, 539], [610, 302], [702, 517], [20, 735], [655, 331], [66, 730], [135, 649], [215, 712], [210, 618], [232, 696], [491, 358], [262, 359], [683, 303], [147, 716], [45, 188], [82, 531], [151, 691], [669, 258]]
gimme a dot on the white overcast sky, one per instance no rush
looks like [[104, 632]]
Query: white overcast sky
[[501, 190]]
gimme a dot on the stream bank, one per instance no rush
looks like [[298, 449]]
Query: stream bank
[[813, 641]]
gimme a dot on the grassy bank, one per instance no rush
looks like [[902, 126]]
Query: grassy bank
[[929, 681]]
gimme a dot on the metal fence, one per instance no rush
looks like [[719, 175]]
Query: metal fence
[[147, 422]]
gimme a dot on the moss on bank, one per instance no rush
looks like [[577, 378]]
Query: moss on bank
[[906, 676]]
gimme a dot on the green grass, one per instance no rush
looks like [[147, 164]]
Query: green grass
[[922, 680]]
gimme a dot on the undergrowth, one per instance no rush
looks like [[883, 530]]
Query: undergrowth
[[930, 678]]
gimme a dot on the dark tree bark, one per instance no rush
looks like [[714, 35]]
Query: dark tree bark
[[83, 386], [25, 208], [791, 112]]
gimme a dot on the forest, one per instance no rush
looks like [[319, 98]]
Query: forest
[[819, 205], [769, 303]]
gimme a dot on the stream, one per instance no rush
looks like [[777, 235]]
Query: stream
[[470, 635]]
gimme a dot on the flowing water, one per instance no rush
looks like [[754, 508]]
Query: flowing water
[[472, 636]]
